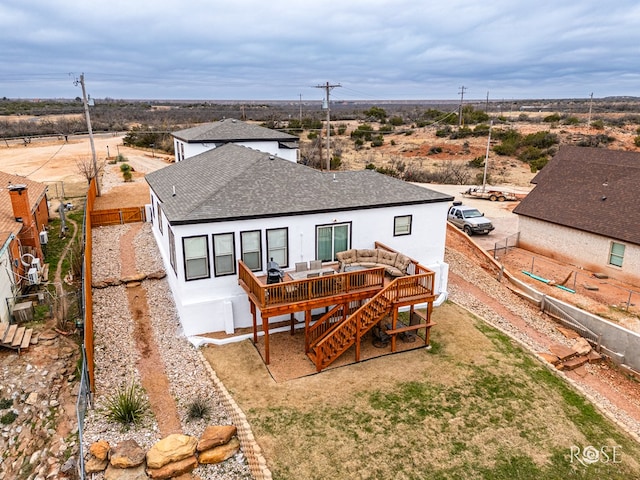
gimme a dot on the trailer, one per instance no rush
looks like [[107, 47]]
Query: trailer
[[489, 193]]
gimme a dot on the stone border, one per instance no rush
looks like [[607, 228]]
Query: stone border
[[250, 448]]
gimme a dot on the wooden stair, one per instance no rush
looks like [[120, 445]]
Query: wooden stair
[[16, 337]]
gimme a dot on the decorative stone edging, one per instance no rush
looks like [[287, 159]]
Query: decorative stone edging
[[253, 452]]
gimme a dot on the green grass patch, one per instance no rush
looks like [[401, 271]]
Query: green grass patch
[[480, 407]]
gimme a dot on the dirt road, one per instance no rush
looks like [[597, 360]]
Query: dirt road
[[58, 162]]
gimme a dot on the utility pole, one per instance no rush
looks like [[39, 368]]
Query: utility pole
[[327, 89], [486, 159], [462, 89], [88, 118], [590, 104], [300, 111]]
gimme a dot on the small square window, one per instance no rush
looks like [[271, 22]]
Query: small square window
[[402, 225]]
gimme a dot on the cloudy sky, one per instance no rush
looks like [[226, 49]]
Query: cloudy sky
[[281, 49]]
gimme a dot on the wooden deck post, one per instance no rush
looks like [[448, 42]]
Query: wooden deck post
[[394, 324], [265, 329], [252, 306]]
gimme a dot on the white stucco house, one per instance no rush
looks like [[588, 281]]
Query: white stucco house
[[194, 141], [235, 203], [584, 210]]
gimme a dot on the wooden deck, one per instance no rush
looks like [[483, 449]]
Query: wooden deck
[[354, 302]]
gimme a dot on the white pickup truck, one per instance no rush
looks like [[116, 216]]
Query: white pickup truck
[[469, 219]]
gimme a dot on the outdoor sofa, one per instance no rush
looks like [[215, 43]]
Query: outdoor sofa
[[395, 264]]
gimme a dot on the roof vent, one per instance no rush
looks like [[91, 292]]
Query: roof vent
[[271, 157], [334, 178]]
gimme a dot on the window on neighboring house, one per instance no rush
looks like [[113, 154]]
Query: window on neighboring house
[[402, 225], [181, 151], [196, 257], [616, 255], [332, 239], [172, 250], [159, 217], [251, 248], [277, 246], [224, 261]]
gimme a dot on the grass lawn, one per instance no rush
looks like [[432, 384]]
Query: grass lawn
[[474, 407]]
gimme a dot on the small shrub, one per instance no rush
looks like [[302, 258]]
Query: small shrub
[[8, 418], [128, 405], [121, 158], [5, 403], [198, 409]]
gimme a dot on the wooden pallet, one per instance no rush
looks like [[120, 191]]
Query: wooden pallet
[[15, 337]]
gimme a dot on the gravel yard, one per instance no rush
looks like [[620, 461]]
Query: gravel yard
[[117, 354]]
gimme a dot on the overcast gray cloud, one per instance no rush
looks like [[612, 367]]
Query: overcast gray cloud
[[280, 49]]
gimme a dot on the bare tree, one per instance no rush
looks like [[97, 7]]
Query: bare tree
[[85, 168]]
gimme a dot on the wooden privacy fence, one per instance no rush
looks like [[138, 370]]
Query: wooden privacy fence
[[117, 216]]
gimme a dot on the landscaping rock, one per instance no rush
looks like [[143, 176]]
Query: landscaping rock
[[100, 449], [173, 469], [221, 453], [95, 465], [127, 454], [568, 333], [158, 275], [561, 351], [581, 346], [215, 435], [550, 357], [134, 473], [172, 448], [137, 277]]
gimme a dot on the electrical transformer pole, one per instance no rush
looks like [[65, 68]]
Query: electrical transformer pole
[[88, 118], [328, 88]]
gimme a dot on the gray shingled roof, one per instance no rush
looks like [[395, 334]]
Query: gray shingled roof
[[235, 182], [231, 130], [590, 189]]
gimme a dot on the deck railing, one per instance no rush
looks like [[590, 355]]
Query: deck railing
[[297, 291]]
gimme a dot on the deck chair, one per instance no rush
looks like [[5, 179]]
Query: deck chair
[[329, 272], [315, 264], [301, 267]]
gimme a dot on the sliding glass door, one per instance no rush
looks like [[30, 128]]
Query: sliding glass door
[[331, 239]]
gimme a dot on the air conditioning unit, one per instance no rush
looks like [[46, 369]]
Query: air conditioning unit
[[36, 264], [44, 237], [34, 278]]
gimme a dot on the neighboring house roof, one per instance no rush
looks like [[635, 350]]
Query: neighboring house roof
[[235, 182], [231, 130], [590, 189], [8, 224]]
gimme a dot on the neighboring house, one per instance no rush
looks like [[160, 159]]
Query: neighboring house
[[194, 141], [584, 210], [256, 207], [23, 215]]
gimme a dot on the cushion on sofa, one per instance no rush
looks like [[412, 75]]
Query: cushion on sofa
[[393, 271], [367, 255], [346, 257], [387, 258], [402, 262]]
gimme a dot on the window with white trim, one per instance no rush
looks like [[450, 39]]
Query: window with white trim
[[616, 254], [224, 257], [251, 248], [332, 239], [402, 225], [196, 257], [278, 246]]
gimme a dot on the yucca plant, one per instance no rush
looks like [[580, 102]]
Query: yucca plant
[[128, 405], [198, 409]]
